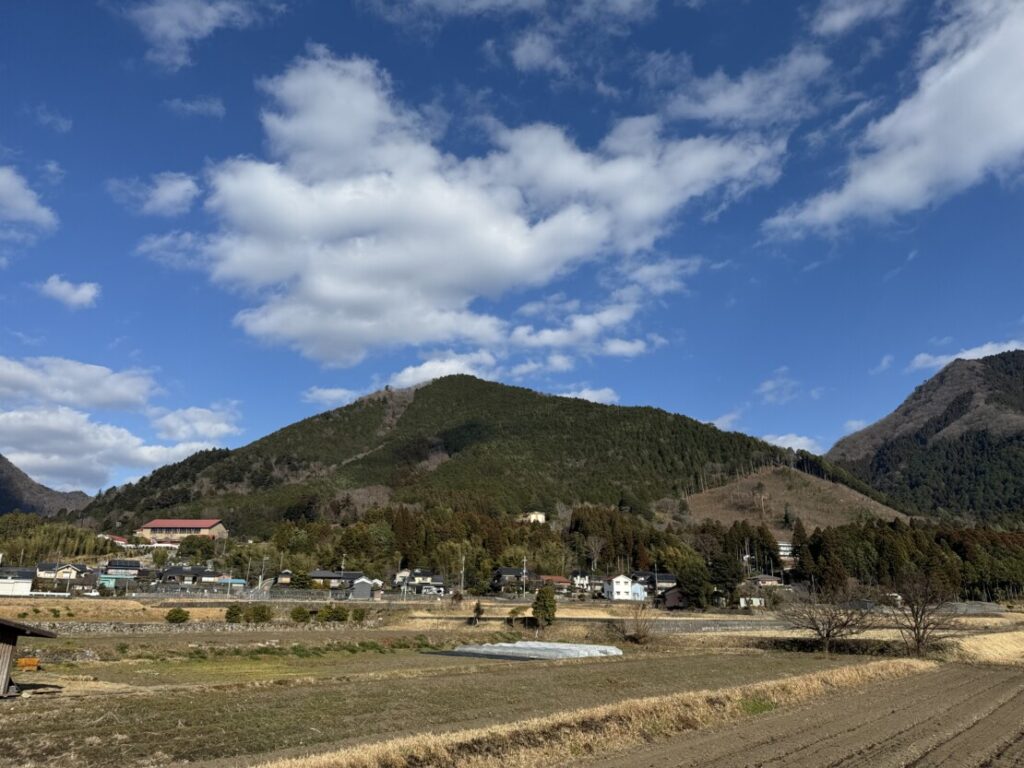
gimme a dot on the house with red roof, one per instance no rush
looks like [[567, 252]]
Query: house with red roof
[[161, 531]]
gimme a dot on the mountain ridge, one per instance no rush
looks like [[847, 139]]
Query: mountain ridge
[[954, 446], [455, 442], [18, 491]]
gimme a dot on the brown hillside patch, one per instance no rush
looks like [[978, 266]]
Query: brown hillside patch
[[815, 501]]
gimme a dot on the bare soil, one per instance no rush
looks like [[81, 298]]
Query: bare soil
[[958, 716]]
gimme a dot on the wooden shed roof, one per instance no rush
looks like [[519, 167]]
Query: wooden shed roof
[[25, 630]]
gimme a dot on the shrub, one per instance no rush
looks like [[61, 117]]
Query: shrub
[[258, 613], [177, 616], [233, 615], [332, 613], [358, 615], [300, 615]]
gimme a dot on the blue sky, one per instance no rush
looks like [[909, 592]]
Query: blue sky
[[220, 216]]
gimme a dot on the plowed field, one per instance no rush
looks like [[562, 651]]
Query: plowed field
[[957, 716]]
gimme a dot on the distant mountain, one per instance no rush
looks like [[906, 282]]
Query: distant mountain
[[21, 492], [955, 446], [458, 442]]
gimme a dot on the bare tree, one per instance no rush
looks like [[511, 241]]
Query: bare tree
[[639, 627], [595, 546], [829, 617], [923, 614]]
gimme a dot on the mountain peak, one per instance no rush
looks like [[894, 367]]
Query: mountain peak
[[19, 491]]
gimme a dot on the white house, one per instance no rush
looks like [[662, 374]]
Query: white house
[[751, 602], [533, 517], [16, 582], [638, 591], [620, 588]]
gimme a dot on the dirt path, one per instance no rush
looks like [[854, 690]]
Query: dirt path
[[957, 716]]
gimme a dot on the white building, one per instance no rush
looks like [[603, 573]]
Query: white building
[[621, 588], [16, 582]]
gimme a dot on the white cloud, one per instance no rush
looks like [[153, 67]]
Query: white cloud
[[51, 118], [854, 425], [536, 52], [72, 295], [480, 364], [198, 106], [333, 397], [19, 205], [171, 27], [560, 363], [963, 123], [52, 172], [779, 389], [181, 250], [604, 395], [193, 423], [836, 17], [794, 442], [924, 360], [66, 449], [69, 382], [362, 234], [166, 194], [883, 365], [667, 275], [779, 93], [727, 421], [624, 347]]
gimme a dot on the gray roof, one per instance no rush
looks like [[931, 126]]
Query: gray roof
[[25, 630]]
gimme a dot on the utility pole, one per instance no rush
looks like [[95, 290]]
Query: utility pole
[[343, 556], [462, 576], [524, 577]]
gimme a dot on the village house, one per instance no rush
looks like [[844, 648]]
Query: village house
[[62, 571], [582, 581], [509, 579], [533, 517], [172, 530], [619, 588], [190, 575], [365, 589], [751, 602], [655, 582], [560, 584], [120, 541], [118, 573], [16, 582], [335, 579]]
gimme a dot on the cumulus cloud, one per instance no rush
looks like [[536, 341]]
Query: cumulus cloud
[[166, 194], [198, 106], [624, 347], [171, 27], [837, 17], [728, 421], [781, 388], [193, 423], [72, 295], [794, 442], [883, 365], [603, 395], [58, 380], [181, 250], [963, 123], [21, 212], [480, 364], [926, 361], [333, 397], [65, 448], [361, 233], [778, 93], [536, 52]]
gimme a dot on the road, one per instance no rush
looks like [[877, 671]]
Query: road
[[957, 716]]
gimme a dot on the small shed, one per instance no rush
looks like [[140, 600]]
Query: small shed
[[10, 631]]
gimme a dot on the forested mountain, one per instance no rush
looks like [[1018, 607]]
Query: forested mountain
[[955, 446], [458, 442], [18, 491]]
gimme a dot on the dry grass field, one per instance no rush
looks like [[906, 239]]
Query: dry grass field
[[388, 693]]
